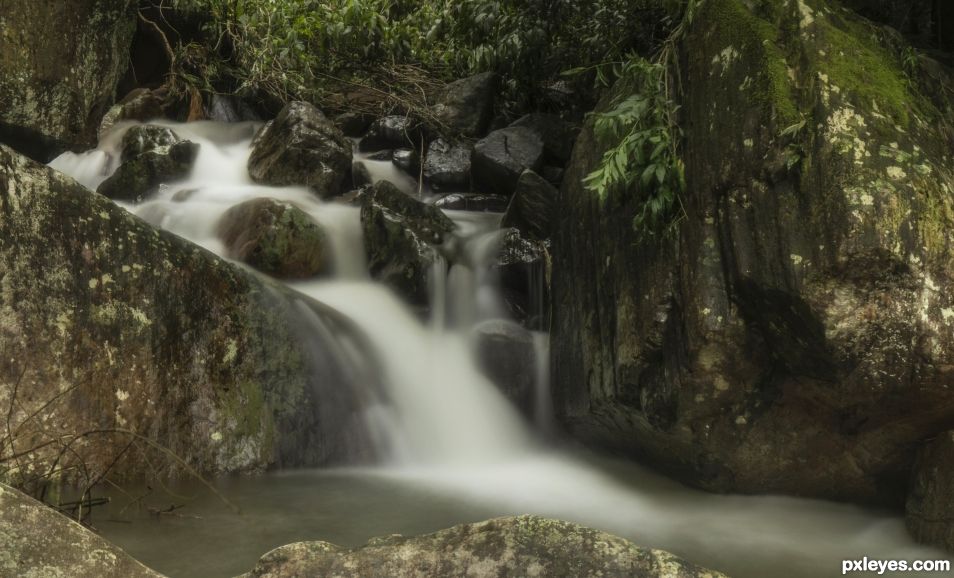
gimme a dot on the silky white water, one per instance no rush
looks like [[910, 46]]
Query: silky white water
[[448, 432]]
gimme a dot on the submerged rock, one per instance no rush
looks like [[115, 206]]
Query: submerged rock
[[501, 157], [531, 207], [301, 147], [401, 237], [556, 134], [151, 156], [506, 354], [929, 511], [276, 238], [517, 546], [447, 165], [466, 106], [60, 63], [391, 132]]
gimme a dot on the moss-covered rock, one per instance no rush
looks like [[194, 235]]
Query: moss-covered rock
[[151, 156], [60, 63], [114, 332], [796, 333], [517, 546]]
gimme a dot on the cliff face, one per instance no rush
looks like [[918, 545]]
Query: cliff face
[[797, 333]]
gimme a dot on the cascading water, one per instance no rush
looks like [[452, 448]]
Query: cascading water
[[445, 428]]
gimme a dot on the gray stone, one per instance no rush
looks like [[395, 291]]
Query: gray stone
[[557, 135], [531, 206], [391, 132], [506, 354], [501, 157], [447, 165], [466, 106], [472, 202]]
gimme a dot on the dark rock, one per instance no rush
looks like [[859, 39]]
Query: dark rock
[[385, 155], [301, 147], [472, 202], [401, 237], [140, 105], [230, 108], [467, 105], [276, 238], [355, 197], [353, 124], [407, 160], [391, 132], [556, 134], [60, 63], [501, 157], [531, 206], [506, 354], [447, 165], [37, 541], [151, 156], [360, 175], [519, 546], [523, 268], [929, 512]]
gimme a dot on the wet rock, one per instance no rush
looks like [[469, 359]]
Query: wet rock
[[447, 165], [553, 175], [506, 354], [301, 147], [517, 546], [360, 175], [523, 268], [37, 541], [407, 160], [151, 156], [276, 238], [501, 157], [391, 132], [385, 155], [929, 512], [60, 64], [140, 105], [353, 124], [467, 105], [401, 237], [556, 134], [531, 206], [230, 108], [472, 202]]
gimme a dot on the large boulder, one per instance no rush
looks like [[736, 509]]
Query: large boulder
[[151, 156], [36, 542], [466, 106], [929, 511], [276, 238], [301, 147], [60, 63], [391, 132], [557, 135], [531, 207], [501, 157], [517, 546], [794, 332], [402, 237], [447, 166], [507, 355], [115, 333]]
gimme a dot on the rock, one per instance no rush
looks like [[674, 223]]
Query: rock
[[301, 147], [553, 175], [38, 541], [792, 334], [556, 134], [391, 132], [276, 238], [385, 155], [353, 124], [516, 546], [60, 63], [472, 202], [929, 512], [407, 160], [466, 106], [140, 105], [531, 206], [360, 175], [447, 165], [506, 354], [501, 157], [401, 236], [151, 156], [121, 326], [230, 108], [523, 268]]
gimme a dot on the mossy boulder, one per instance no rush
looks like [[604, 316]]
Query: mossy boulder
[[795, 332], [115, 333], [517, 546], [276, 238], [60, 63], [151, 156]]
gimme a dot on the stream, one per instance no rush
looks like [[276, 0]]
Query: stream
[[453, 448]]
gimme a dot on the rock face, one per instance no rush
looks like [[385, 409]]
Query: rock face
[[501, 157], [556, 134], [151, 156], [929, 511], [401, 237], [467, 106], [275, 238], [108, 325], [60, 63], [301, 147], [507, 355], [36, 541], [447, 166], [531, 206], [795, 334]]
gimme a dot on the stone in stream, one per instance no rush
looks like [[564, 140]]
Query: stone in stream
[[401, 237], [472, 202], [557, 135], [360, 175], [151, 156], [523, 268], [929, 511], [466, 106], [501, 157], [124, 328], [141, 104], [391, 132], [353, 124], [515, 546], [506, 354], [408, 160], [60, 63], [301, 147], [276, 238], [447, 165], [531, 206]]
